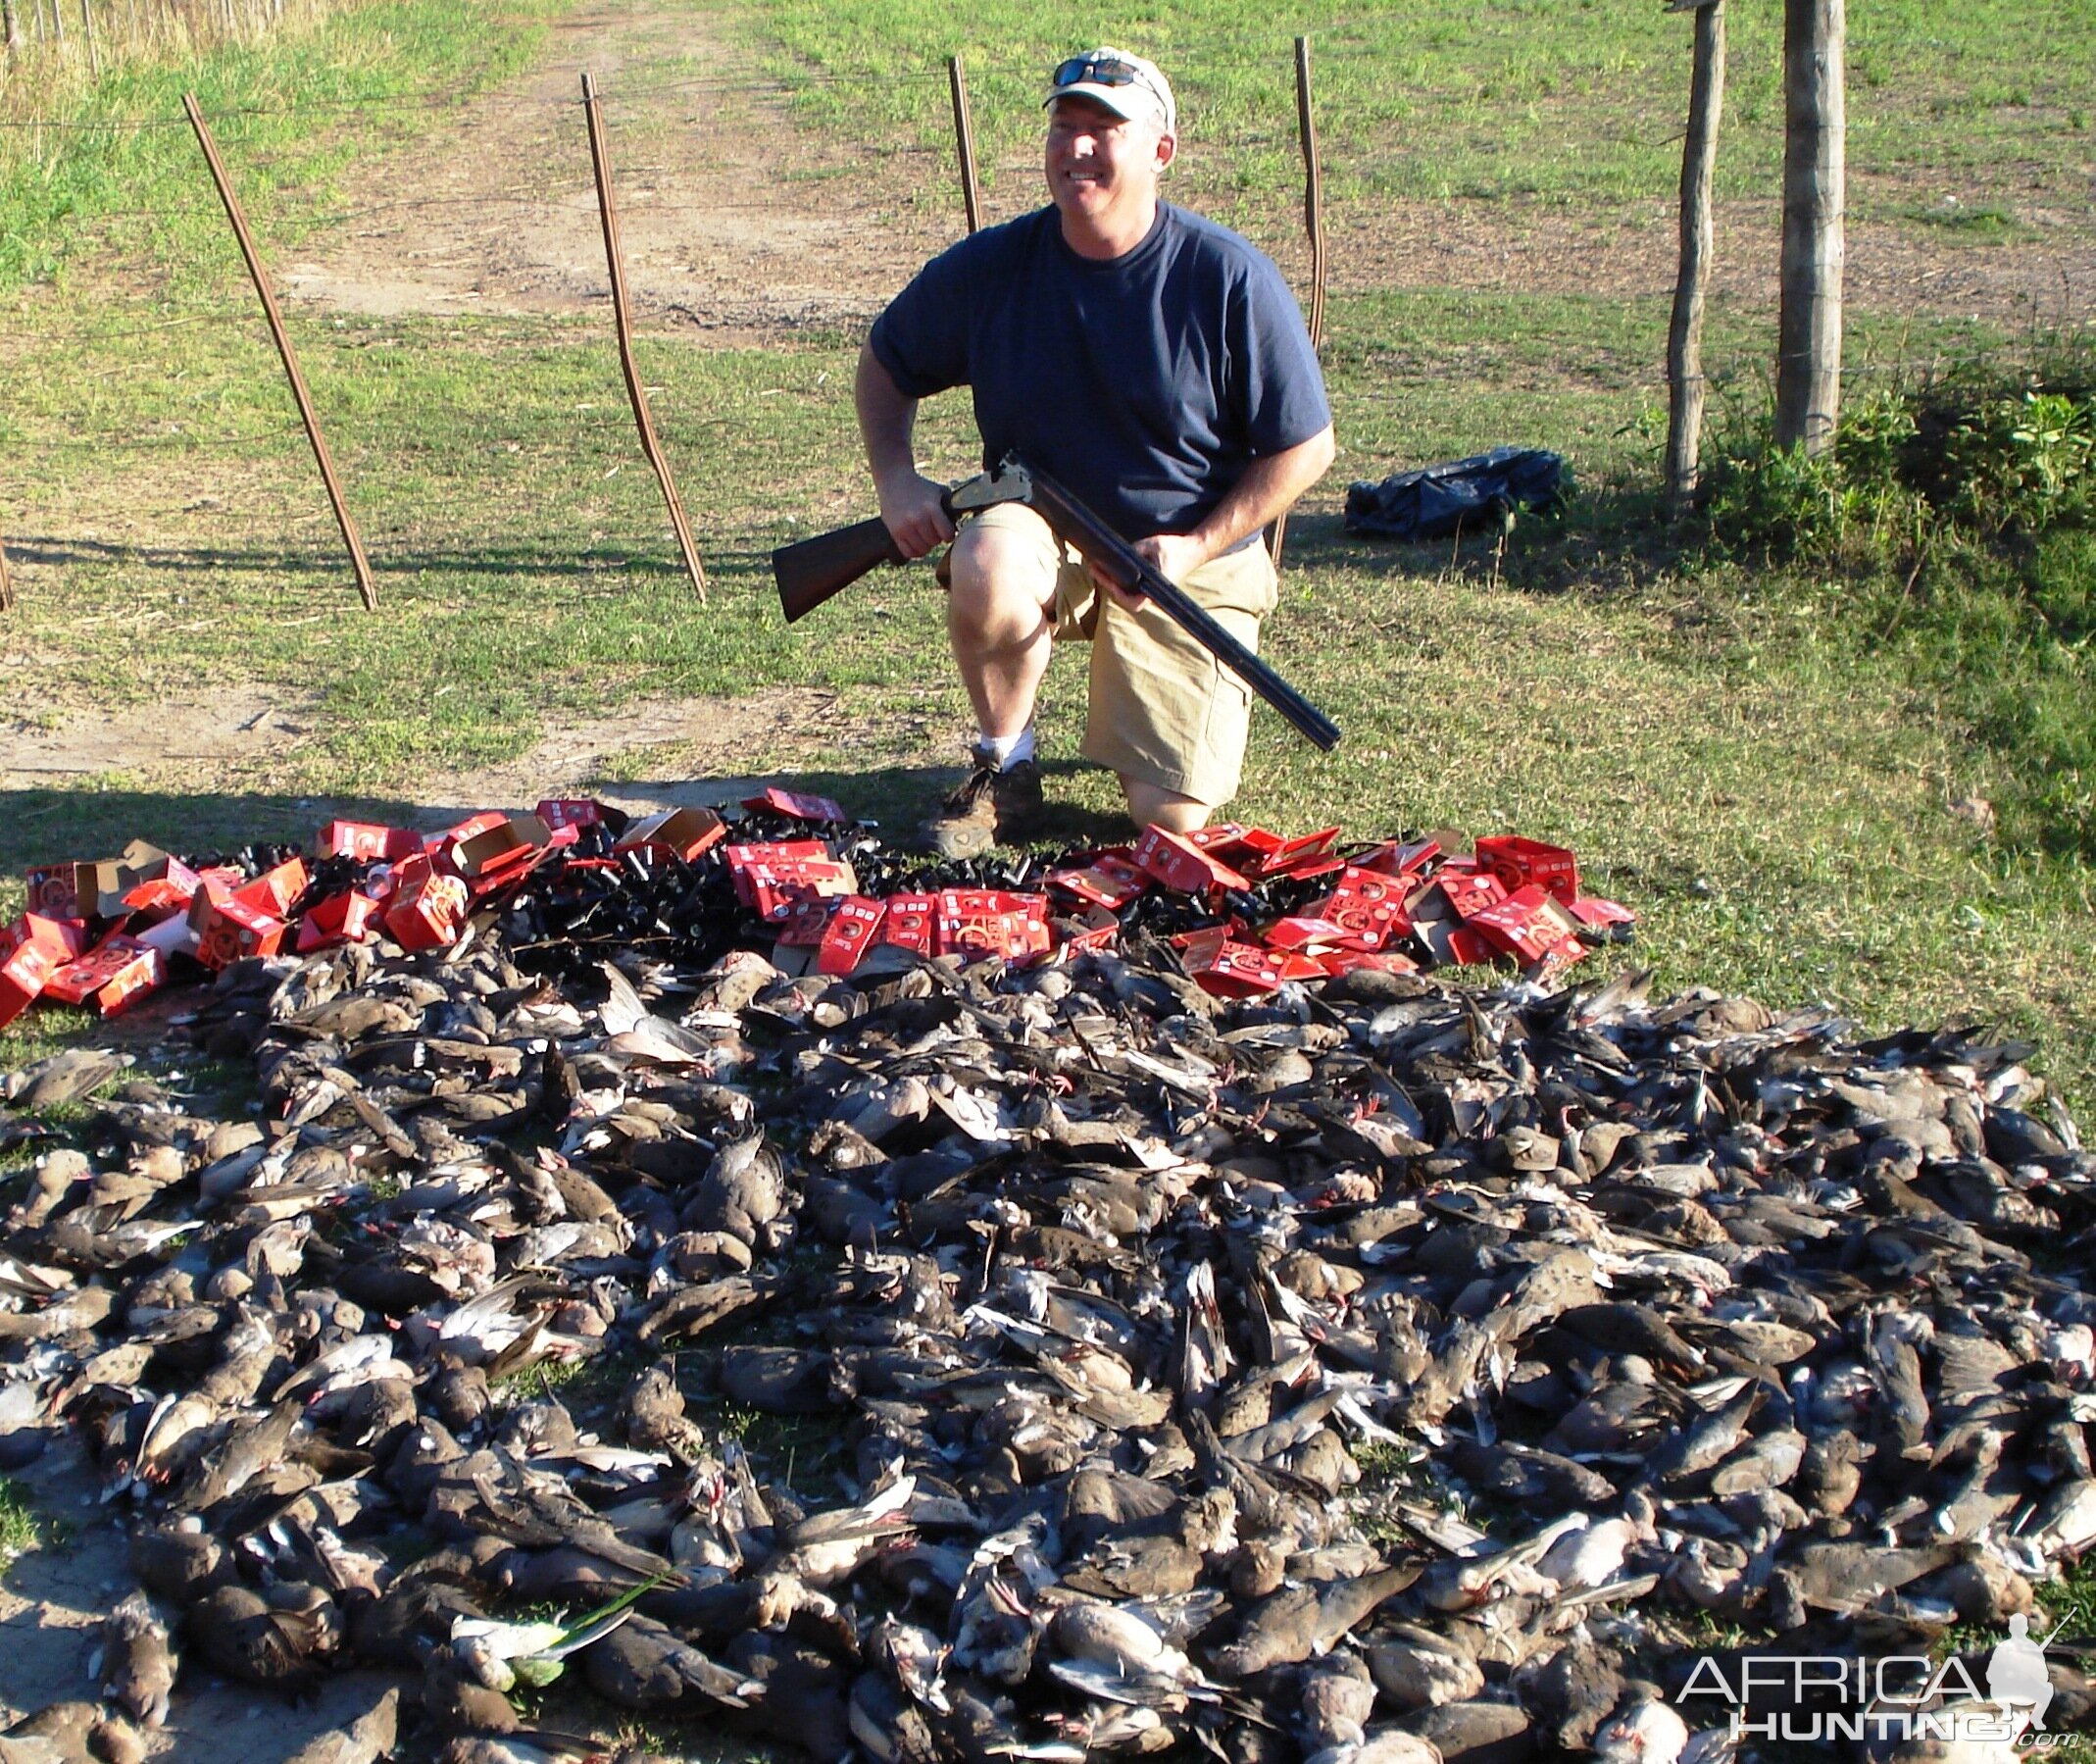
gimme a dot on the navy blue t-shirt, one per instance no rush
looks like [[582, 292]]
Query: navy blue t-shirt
[[1145, 385]]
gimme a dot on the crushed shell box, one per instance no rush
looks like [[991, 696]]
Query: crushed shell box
[[61, 940], [100, 886], [1519, 862], [339, 918], [276, 892], [797, 805], [115, 975], [499, 854], [686, 833], [24, 971], [1181, 865], [368, 841]]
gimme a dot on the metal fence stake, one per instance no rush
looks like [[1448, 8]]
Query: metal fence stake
[[365, 585], [964, 130], [600, 158]]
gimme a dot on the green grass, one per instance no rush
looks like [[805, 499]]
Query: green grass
[[1514, 101], [21, 1526], [120, 169]]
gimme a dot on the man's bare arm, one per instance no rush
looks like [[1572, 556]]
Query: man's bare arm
[[1269, 486], [887, 422]]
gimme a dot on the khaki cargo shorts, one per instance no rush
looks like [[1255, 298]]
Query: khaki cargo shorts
[[1163, 709]]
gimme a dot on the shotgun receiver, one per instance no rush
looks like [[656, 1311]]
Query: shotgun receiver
[[810, 571]]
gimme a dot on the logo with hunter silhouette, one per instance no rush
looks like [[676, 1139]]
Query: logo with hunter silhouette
[[2016, 1672]]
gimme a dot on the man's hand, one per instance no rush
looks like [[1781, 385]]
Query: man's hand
[[916, 522], [1174, 556], [909, 500]]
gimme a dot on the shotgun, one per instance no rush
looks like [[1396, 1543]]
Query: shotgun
[[810, 571]]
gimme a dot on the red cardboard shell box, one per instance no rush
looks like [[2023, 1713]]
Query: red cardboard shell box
[[1307, 854], [1468, 888], [748, 864], [1303, 932], [1368, 907], [1518, 862], [51, 892], [231, 929], [165, 895], [276, 892], [501, 853], [912, 923], [24, 971], [797, 805], [686, 833], [1234, 970], [1396, 858], [776, 889], [1108, 878], [850, 934], [1528, 925], [1336, 961], [981, 923], [367, 841], [61, 940], [562, 812], [117, 972], [339, 918], [425, 907], [1181, 865]]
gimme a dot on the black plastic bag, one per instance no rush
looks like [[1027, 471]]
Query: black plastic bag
[[1475, 494]]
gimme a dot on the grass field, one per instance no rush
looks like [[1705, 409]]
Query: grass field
[[1987, 104], [1766, 777]]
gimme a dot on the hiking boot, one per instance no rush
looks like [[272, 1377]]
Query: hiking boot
[[991, 808]]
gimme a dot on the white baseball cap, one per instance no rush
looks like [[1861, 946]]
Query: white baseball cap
[[1130, 86]]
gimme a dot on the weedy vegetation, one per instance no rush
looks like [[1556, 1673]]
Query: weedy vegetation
[[20, 1528]]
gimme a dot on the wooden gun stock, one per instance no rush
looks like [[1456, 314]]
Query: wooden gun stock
[[810, 571]]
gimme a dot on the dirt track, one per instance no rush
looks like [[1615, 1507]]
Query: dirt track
[[730, 219]]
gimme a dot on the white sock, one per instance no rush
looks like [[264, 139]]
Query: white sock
[[1007, 751]]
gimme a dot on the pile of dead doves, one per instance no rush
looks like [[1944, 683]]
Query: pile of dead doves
[[1366, 1372]]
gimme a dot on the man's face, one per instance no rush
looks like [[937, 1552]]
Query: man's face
[[1101, 166]]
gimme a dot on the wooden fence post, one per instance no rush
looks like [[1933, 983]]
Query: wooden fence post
[[1808, 369], [600, 159], [1314, 225], [6, 586], [9, 28], [88, 28], [365, 585], [964, 130], [1684, 338]]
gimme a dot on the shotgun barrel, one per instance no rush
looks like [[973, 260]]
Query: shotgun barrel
[[1100, 546]]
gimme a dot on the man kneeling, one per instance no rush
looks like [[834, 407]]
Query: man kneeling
[[1157, 365]]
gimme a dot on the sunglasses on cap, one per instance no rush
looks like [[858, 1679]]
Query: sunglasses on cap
[[1095, 70]]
